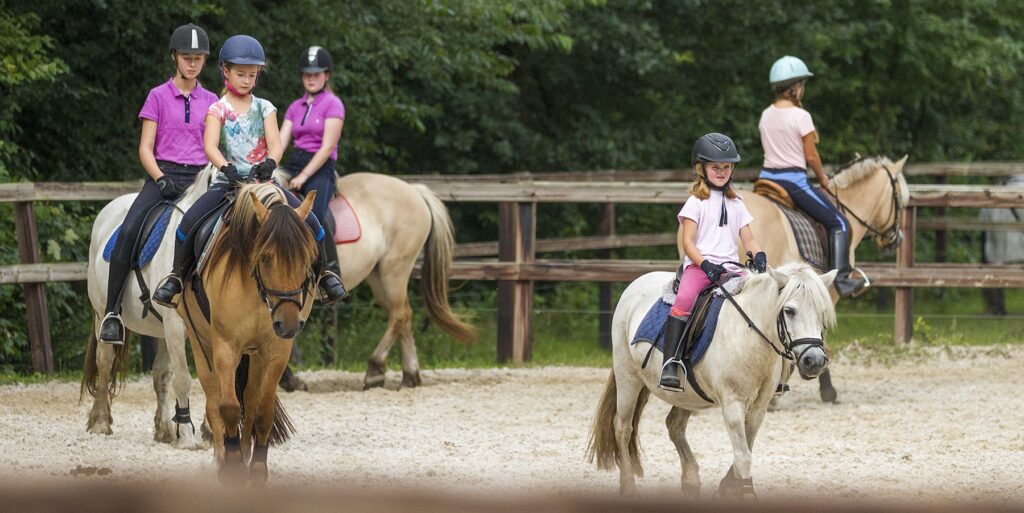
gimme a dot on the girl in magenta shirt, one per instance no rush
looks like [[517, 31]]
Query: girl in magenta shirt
[[713, 218], [315, 122], [171, 152]]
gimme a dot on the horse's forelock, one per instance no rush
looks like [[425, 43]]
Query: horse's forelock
[[234, 245], [806, 287], [285, 238]]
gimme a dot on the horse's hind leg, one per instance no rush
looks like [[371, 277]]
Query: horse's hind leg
[[163, 423], [99, 416], [676, 423], [184, 428], [627, 398], [399, 320]]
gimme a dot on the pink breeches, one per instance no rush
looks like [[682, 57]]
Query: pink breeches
[[693, 281]]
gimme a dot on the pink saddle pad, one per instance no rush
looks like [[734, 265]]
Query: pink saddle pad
[[346, 222]]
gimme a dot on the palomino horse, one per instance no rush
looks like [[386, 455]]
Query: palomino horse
[[872, 192], [258, 294], [739, 371], [104, 363], [398, 220]]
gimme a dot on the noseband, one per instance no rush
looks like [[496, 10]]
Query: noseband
[[282, 296]]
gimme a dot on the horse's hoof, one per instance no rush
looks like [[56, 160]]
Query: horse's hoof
[[293, 384], [258, 475], [187, 440], [378, 383], [100, 427], [411, 379], [828, 394], [691, 489], [232, 471], [205, 432]]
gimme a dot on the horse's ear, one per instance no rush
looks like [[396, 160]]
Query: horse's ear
[[307, 205], [780, 278], [900, 163], [829, 277], [258, 206]]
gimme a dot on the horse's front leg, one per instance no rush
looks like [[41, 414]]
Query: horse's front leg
[[174, 345], [100, 418], [271, 368], [737, 482], [163, 423], [676, 424], [225, 363]]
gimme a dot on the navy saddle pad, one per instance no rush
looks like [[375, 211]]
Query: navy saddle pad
[[152, 239], [652, 328]]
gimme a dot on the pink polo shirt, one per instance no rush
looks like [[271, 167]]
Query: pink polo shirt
[[716, 243], [782, 133], [180, 121], [308, 120]]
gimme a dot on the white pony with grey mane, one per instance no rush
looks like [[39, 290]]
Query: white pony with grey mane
[[739, 371], [105, 364]]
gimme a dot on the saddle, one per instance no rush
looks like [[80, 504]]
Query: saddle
[[811, 236], [346, 223], [149, 237]]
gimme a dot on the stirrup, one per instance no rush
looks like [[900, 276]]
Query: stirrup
[[120, 321], [867, 281], [323, 297], [680, 375], [172, 304]]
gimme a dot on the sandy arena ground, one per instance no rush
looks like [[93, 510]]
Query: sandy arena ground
[[949, 425]]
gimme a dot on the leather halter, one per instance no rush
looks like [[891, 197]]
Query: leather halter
[[890, 238]]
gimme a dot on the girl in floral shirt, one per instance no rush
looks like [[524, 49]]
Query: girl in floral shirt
[[243, 142]]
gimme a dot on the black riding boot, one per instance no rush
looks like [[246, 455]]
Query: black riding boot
[[172, 285], [845, 285], [672, 371], [328, 272], [112, 327]]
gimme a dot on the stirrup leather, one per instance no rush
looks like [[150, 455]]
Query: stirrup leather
[[112, 315]]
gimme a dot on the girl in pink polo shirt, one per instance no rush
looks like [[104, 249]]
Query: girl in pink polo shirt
[[712, 218], [315, 121], [171, 152], [790, 144]]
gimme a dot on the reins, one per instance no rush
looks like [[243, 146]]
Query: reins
[[891, 235]]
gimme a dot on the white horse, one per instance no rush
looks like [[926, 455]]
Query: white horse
[[739, 370], [104, 363]]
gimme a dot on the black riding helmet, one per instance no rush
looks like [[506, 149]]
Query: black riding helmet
[[190, 38], [714, 147], [315, 59]]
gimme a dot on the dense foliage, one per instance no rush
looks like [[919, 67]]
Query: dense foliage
[[474, 86]]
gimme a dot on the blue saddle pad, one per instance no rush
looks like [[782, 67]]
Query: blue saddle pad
[[156, 235], [652, 327]]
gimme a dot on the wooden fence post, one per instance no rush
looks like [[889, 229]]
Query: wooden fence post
[[517, 228], [604, 289], [35, 293], [903, 322]]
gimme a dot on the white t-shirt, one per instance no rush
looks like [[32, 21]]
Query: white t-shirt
[[782, 133], [716, 243]]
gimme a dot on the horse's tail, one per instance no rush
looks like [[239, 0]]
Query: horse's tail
[[437, 262], [91, 372], [283, 428], [603, 447]]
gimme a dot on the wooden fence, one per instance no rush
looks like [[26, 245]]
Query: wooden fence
[[517, 266]]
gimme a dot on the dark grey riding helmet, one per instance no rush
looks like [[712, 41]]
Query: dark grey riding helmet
[[714, 147], [190, 38], [315, 59]]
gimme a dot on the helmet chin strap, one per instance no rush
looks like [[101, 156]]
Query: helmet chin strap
[[232, 90]]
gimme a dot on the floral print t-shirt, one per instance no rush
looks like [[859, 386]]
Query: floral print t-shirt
[[242, 138]]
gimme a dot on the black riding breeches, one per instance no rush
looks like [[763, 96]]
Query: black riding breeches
[[213, 197]]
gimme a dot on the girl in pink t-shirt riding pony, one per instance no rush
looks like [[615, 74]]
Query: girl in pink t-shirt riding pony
[[171, 152], [790, 144], [713, 217]]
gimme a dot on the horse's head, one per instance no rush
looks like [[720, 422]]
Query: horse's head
[[283, 250], [806, 312], [885, 180]]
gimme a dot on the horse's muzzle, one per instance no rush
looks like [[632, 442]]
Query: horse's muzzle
[[287, 333], [811, 363]]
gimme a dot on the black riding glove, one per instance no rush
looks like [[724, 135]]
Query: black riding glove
[[264, 171], [760, 262], [167, 188], [712, 270], [231, 173]]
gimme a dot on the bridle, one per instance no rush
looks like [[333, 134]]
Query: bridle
[[785, 338], [890, 238], [282, 296]]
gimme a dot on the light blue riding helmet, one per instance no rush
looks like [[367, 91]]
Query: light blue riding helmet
[[787, 71]]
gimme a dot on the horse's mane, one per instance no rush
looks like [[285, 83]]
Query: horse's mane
[[283, 237], [804, 286], [851, 172]]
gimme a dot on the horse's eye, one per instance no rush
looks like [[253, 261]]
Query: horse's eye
[[790, 311]]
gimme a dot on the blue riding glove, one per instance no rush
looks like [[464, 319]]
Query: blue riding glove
[[264, 170], [231, 173], [712, 270], [760, 262]]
